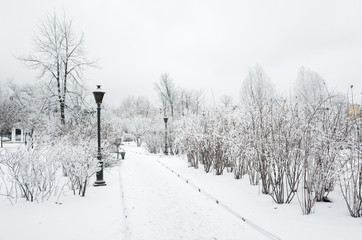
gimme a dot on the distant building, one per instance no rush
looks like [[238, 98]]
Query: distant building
[[354, 112], [16, 135]]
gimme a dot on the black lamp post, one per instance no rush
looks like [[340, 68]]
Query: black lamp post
[[166, 144], [98, 96]]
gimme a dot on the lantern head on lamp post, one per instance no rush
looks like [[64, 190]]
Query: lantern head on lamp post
[[98, 96], [166, 143]]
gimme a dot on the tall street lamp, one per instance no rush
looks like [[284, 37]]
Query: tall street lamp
[[166, 144], [98, 96]]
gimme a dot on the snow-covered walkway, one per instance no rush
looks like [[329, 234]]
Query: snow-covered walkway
[[159, 205]]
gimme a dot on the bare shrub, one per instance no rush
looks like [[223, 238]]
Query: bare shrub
[[31, 173], [350, 163], [79, 163]]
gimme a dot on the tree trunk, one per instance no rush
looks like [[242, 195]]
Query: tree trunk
[[62, 112]]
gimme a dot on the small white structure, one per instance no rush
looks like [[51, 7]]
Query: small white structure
[[17, 135]]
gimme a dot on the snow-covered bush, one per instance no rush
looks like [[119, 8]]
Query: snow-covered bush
[[135, 115], [171, 136], [76, 146], [235, 145], [29, 172], [350, 165], [324, 133], [291, 147], [83, 132], [189, 136], [351, 180], [78, 162], [154, 137], [208, 140], [280, 143]]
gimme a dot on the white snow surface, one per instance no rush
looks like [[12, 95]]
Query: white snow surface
[[159, 204], [96, 216]]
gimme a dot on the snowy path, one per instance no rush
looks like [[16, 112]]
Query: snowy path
[[160, 206], [285, 221]]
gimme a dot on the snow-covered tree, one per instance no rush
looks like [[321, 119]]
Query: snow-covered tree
[[60, 58], [226, 100], [135, 114], [167, 92], [310, 87], [9, 114]]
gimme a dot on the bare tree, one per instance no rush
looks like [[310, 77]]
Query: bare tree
[[226, 100], [33, 106], [185, 98], [310, 87], [167, 92], [135, 114], [8, 116], [59, 56], [191, 101], [199, 100], [257, 87], [131, 107]]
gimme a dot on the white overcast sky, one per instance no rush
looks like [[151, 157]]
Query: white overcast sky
[[202, 44]]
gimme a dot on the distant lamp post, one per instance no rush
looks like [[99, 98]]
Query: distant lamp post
[[98, 96], [166, 144]]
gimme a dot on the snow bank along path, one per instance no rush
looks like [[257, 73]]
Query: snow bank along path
[[96, 216], [227, 208], [159, 205]]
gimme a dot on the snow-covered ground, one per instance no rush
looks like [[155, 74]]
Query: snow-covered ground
[[159, 204], [96, 216], [330, 220]]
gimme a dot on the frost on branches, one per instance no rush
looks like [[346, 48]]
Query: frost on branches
[[78, 164], [350, 171], [57, 158], [292, 147], [286, 149], [28, 172]]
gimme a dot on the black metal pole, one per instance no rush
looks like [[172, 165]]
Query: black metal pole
[[166, 144], [99, 130], [99, 181]]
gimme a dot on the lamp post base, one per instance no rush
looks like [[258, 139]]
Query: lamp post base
[[99, 183]]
